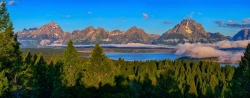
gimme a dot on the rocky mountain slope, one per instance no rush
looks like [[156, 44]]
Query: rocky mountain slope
[[53, 34], [189, 31], [186, 31], [136, 35], [116, 36], [243, 34], [214, 37], [90, 35], [45, 35]]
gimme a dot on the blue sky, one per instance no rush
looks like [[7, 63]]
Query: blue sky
[[154, 16]]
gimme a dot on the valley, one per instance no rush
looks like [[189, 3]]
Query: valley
[[129, 54]]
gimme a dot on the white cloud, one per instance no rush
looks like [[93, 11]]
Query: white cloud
[[68, 16], [90, 13], [190, 16], [231, 44], [65, 16], [199, 50], [246, 20], [232, 24], [145, 16], [230, 21], [101, 19], [12, 2], [200, 13], [167, 22]]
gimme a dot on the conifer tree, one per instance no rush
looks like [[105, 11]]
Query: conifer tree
[[28, 77], [71, 63], [41, 77], [10, 53], [99, 69], [241, 78], [3, 84]]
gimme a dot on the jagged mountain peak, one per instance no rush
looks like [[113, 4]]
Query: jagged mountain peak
[[243, 34], [52, 23], [186, 21], [133, 28], [25, 29], [89, 28], [99, 28], [116, 31], [186, 31], [50, 33]]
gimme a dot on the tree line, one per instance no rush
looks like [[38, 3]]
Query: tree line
[[67, 76]]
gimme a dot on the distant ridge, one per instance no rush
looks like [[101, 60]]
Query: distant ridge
[[51, 33], [243, 34]]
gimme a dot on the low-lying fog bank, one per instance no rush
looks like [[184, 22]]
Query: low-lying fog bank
[[201, 50]]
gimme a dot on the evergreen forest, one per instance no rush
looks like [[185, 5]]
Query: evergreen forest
[[68, 76]]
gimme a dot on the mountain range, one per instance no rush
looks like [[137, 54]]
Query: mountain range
[[186, 31]]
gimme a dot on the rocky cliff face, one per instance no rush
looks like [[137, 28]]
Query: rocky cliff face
[[48, 34], [135, 35], [116, 36], [154, 36], [90, 35], [186, 31], [53, 34], [243, 34], [189, 31]]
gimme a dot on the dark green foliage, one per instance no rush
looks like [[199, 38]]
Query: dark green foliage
[[105, 78], [241, 78], [3, 84], [99, 69], [71, 65], [36, 77], [10, 55]]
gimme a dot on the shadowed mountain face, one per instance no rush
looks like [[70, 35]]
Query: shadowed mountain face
[[214, 37], [186, 31], [243, 34]]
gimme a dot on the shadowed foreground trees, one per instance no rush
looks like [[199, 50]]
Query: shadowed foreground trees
[[100, 77], [10, 56], [241, 78]]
